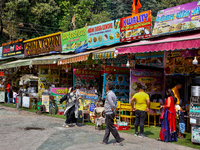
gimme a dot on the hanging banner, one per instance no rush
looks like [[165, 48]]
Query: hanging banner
[[154, 59], [74, 40], [107, 33], [86, 78], [1, 52], [12, 49], [180, 62], [177, 19], [137, 26], [120, 79], [152, 80]]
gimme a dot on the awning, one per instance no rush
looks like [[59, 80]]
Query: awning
[[46, 60], [76, 58], [17, 63], [170, 43], [105, 54]]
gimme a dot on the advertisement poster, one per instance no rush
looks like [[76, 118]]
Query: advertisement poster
[[177, 19], [92, 106], [0, 52], [180, 62], [45, 101], [120, 79], [26, 102], [86, 78], [74, 40], [154, 59], [152, 80], [12, 49], [104, 34], [137, 26], [58, 93]]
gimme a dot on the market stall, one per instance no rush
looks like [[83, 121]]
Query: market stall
[[29, 91], [2, 86]]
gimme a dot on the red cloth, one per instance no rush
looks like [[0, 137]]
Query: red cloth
[[8, 88], [170, 106]]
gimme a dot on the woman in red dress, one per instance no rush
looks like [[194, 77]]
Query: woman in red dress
[[168, 126]]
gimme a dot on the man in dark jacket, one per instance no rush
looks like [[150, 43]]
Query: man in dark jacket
[[110, 111]]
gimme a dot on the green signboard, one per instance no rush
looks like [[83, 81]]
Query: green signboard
[[74, 40]]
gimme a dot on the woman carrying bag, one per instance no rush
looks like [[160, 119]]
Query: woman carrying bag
[[71, 111]]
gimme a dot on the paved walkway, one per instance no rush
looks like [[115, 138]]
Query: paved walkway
[[18, 132]]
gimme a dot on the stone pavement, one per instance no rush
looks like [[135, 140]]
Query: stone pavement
[[22, 130]]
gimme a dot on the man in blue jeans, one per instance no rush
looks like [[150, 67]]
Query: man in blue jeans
[[8, 92]]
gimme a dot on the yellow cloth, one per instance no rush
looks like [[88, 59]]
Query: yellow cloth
[[141, 101], [176, 94]]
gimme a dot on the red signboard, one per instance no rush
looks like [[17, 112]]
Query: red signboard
[[137, 26], [1, 73]]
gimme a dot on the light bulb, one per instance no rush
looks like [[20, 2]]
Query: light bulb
[[195, 61], [127, 65], [54, 62]]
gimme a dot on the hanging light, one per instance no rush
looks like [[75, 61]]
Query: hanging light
[[195, 61], [54, 62], [128, 64]]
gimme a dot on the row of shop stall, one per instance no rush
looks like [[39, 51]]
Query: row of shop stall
[[158, 63]]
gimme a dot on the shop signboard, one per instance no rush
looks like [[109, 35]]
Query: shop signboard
[[120, 79], [88, 64], [137, 26], [153, 59], [180, 62], [13, 49], [152, 80], [115, 62], [43, 45], [177, 19], [1, 52], [45, 101], [74, 40], [107, 33], [86, 78]]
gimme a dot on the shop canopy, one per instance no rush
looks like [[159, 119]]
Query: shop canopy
[[17, 63], [32, 61], [191, 41], [46, 60], [104, 53], [77, 57]]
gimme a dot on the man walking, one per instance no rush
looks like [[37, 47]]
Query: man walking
[[141, 107], [110, 111]]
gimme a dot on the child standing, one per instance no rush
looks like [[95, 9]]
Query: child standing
[[15, 95], [181, 122]]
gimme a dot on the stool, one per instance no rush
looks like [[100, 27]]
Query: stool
[[85, 112], [40, 109]]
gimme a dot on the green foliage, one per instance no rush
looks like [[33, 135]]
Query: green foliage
[[33, 18]]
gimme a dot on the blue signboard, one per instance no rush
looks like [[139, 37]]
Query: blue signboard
[[107, 33]]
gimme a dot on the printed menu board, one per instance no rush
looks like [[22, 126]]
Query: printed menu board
[[74, 40], [176, 19], [120, 79], [86, 78], [45, 101], [103, 34], [152, 80], [137, 26], [155, 59], [180, 62]]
